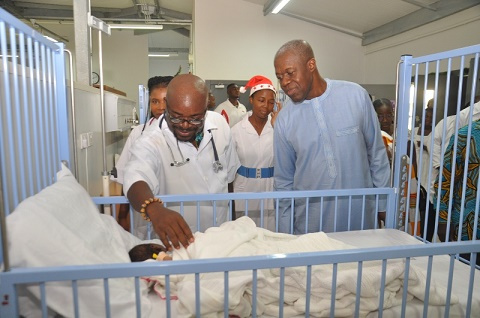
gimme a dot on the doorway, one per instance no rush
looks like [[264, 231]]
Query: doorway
[[219, 90]]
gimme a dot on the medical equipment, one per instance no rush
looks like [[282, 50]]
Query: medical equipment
[[217, 165]]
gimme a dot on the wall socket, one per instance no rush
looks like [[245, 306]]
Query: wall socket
[[86, 140], [90, 139]]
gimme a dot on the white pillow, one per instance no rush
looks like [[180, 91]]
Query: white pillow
[[62, 226]]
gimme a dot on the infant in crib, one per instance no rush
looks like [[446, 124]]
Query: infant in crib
[[142, 252]]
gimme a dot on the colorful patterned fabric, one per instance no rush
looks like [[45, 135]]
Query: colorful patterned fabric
[[468, 217]]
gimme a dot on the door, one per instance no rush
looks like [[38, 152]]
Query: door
[[219, 90]]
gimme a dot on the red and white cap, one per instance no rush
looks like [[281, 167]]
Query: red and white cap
[[257, 83]]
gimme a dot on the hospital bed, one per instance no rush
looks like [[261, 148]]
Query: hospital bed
[[61, 257]]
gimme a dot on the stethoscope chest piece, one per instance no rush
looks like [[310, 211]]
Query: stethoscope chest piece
[[217, 166]]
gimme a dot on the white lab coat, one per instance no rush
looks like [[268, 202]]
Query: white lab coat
[[422, 167], [254, 151], [151, 162], [125, 155], [233, 114]]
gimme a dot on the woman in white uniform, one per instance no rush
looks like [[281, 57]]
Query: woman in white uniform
[[253, 140], [157, 91]]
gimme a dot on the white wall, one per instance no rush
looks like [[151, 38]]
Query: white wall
[[125, 60], [125, 57], [456, 31], [167, 67], [232, 39], [90, 160]]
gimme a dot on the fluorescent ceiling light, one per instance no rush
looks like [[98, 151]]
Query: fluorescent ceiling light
[[50, 38], [163, 54], [280, 6], [137, 26]]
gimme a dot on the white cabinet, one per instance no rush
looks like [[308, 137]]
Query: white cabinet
[[119, 112]]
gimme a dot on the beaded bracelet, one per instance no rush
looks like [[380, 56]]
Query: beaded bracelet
[[143, 210]]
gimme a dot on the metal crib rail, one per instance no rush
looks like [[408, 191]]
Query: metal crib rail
[[417, 76], [214, 199], [75, 274], [34, 137]]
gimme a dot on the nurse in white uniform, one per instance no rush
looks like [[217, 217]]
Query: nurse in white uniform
[[157, 91], [189, 152], [253, 140]]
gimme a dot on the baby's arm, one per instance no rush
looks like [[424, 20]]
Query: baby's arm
[[162, 256]]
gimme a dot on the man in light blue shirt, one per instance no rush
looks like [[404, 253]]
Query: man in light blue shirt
[[326, 137]]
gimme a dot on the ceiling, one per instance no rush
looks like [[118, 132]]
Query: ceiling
[[370, 20]]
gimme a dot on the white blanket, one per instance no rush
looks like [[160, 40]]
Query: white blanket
[[243, 238], [61, 226]]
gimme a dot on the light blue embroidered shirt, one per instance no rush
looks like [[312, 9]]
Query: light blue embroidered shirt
[[330, 142]]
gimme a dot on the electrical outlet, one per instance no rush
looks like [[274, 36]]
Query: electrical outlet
[[90, 139], [83, 141]]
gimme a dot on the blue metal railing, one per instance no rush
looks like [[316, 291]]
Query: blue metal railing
[[34, 136]]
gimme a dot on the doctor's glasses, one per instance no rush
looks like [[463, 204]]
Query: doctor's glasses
[[191, 121]]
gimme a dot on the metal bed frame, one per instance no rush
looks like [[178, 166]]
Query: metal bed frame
[[34, 92]]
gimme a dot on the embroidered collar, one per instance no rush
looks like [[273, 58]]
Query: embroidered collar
[[199, 137]]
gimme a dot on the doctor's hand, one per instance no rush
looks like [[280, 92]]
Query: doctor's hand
[[381, 219], [170, 226]]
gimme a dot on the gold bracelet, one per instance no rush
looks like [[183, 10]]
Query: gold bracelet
[[143, 210]]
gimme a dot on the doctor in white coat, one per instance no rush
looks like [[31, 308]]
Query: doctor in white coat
[[190, 152]]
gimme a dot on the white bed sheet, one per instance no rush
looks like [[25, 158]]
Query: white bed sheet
[[441, 264], [391, 237]]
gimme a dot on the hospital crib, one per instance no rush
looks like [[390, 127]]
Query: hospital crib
[[33, 92]]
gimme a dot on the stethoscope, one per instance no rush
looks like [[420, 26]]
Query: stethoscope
[[217, 165]]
